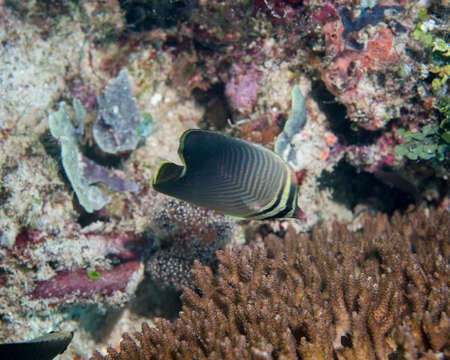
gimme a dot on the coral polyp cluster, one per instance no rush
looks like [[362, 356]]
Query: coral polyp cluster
[[185, 233]]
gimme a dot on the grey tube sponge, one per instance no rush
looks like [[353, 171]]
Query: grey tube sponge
[[82, 172], [295, 123], [89, 196], [115, 129]]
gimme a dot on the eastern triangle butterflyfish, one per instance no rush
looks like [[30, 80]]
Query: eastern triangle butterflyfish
[[231, 176]]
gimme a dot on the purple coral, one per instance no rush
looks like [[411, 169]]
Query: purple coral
[[95, 173]]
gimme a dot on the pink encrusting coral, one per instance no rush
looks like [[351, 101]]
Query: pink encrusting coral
[[349, 75], [75, 286], [242, 89]]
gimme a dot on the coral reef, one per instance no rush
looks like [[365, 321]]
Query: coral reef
[[378, 63], [102, 266], [373, 294], [67, 282], [366, 70]]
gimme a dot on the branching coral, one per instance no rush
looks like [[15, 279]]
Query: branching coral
[[374, 294]]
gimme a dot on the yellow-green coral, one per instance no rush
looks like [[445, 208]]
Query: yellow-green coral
[[428, 31], [432, 141]]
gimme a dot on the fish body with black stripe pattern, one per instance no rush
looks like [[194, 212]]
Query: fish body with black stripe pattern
[[231, 176], [45, 347]]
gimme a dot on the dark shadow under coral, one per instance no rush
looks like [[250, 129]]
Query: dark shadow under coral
[[351, 186], [147, 15], [89, 318], [217, 110], [152, 300]]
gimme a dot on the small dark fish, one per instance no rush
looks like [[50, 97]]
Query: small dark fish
[[41, 348], [395, 180], [368, 16], [230, 175]]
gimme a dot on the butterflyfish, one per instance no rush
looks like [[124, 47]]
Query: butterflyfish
[[44, 347], [231, 176]]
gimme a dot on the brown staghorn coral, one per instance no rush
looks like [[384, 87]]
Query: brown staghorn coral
[[380, 293]]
